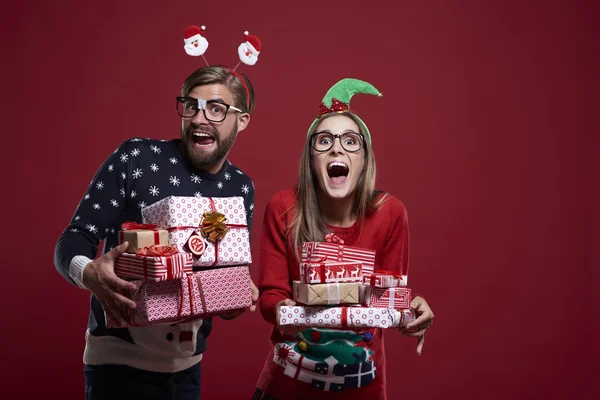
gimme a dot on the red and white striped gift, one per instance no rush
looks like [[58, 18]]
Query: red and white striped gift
[[398, 297], [318, 252], [385, 279], [154, 263]]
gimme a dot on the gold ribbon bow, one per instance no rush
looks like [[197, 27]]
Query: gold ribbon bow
[[213, 226]]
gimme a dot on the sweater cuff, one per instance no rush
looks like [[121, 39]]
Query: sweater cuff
[[78, 264]]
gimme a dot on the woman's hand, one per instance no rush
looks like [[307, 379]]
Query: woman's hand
[[291, 330], [423, 321]]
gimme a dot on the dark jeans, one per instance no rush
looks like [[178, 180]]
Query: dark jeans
[[119, 382]]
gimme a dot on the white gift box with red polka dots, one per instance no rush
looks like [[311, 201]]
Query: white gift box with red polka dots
[[182, 217], [344, 317]]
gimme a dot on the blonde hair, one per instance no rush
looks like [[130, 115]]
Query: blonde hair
[[307, 223]]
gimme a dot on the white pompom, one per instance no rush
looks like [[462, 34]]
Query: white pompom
[[245, 33], [203, 27]]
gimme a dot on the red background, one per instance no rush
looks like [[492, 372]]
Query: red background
[[484, 131]]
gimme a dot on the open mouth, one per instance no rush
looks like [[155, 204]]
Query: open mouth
[[203, 138], [337, 171]]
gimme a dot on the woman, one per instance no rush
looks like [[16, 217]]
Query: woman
[[335, 194]]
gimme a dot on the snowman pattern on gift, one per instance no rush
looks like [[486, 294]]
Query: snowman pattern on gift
[[171, 340]]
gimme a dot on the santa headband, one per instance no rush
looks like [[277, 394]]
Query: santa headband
[[337, 100], [195, 44]]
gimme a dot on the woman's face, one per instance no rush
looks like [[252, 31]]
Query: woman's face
[[336, 170]]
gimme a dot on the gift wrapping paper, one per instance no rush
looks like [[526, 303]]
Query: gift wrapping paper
[[331, 272], [326, 293], [154, 268], [317, 252], [139, 238], [200, 294], [344, 317], [385, 280], [183, 216], [396, 297]]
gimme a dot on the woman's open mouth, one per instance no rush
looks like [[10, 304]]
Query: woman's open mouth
[[337, 172]]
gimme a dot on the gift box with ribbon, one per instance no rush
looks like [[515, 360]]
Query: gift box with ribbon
[[213, 230], [326, 293], [159, 302], [199, 295], [331, 272], [154, 263], [395, 297], [385, 279], [344, 317], [142, 235], [333, 249]]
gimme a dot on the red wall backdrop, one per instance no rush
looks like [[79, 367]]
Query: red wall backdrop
[[484, 131]]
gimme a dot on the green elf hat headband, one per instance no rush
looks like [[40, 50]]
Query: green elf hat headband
[[337, 100]]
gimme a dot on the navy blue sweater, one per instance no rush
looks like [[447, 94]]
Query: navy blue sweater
[[139, 173]]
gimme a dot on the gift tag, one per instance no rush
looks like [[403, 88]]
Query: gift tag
[[196, 244]]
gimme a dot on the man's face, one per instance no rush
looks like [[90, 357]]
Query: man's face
[[206, 143]]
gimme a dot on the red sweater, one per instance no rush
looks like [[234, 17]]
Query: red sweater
[[384, 230]]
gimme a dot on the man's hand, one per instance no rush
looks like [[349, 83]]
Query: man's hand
[[99, 277], [418, 327], [236, 313], [287, 329]]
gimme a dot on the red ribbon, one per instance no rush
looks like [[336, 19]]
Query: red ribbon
[[332, 238], [344, 317], [129, 225]]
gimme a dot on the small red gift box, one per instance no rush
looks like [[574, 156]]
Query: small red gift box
[[154, 263]]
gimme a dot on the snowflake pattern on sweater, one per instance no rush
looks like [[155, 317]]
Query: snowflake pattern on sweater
[[137, 174]]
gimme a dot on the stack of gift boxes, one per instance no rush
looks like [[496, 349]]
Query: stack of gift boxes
[[339, 289], [188, 260]]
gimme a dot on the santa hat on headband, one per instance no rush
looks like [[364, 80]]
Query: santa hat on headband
[[193, 33], [253, 43], [337, 99]]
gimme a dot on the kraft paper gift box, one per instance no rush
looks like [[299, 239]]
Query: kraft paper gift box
[[395, 297], [213, 230], [326, 293], [142, 235], [201, 294], [331, 272], [344, 317], [154, 263], [385, 279], [333, 249]]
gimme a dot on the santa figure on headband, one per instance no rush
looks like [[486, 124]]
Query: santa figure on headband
[[249, 49], [195, 43]]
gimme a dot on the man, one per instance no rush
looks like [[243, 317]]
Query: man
[[156, 361]]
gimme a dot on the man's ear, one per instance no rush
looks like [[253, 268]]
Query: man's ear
[[243, 121]]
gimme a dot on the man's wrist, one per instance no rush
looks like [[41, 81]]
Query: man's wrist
[[76, 268]]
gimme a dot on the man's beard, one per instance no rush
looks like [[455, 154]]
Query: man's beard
[[205, 160]]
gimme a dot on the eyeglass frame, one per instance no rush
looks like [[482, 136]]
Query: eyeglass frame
[[339, 137], [202, 106]]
